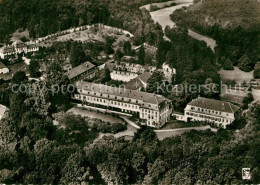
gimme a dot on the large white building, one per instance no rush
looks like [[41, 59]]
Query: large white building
[[152, 110], [218, 112], [123, 76], [134, 68], [18, 48]]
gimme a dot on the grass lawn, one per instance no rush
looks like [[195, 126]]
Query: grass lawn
[[15, 68], [172, 124], [163, 16], [238, 75]]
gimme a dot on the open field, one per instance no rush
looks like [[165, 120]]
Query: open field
[[237, 75], [163, 16], [89, 35], [236, 99], [16, 36]]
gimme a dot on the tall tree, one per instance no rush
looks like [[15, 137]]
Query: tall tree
[[77, 55], [34, 68], [127, 48], [141, 55]]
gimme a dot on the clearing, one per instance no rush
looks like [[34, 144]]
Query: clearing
[[16, 36], [238, 75], [163, 16]]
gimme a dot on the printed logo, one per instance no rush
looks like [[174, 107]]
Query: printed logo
[[246, 174]]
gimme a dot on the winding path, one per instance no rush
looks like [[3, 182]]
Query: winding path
[[162, 16]]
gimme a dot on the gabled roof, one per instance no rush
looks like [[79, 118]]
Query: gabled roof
[[137, 82], [2, 65], [76, 71], [122, 92], [212, 104]]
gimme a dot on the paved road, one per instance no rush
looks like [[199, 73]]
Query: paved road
[[162, 134], [93, 114], [132, 127]]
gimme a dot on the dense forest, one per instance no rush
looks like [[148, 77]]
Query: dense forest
[[236, 28], [33, 150], [44, 17]]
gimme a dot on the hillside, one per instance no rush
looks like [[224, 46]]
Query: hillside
[[43, 17], [234, 24], [228, 14]]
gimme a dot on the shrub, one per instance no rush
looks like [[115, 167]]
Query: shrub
[[107, 127], [245, 64], [227, 64]]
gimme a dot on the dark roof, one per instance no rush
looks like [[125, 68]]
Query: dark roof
[[122, 92], [212, 104], [110, 66], [145, 76], [2, 65], [76, 71], [31, 46], [8, 49], [137, 82], [20, 45]]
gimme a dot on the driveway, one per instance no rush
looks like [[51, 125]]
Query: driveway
[[162, 134]]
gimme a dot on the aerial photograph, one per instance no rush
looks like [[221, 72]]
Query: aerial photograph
[[138, 92]]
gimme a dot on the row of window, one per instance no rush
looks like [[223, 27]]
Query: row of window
[[117, 98], [208, 117], [112, 102], [208, 111], [144, 115], [108, 96]]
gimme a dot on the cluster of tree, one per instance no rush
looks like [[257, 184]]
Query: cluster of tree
[[257, 70], [42, 17], [33, 150], [34, 68], [235, 29], [194, 157], [192, 59]]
